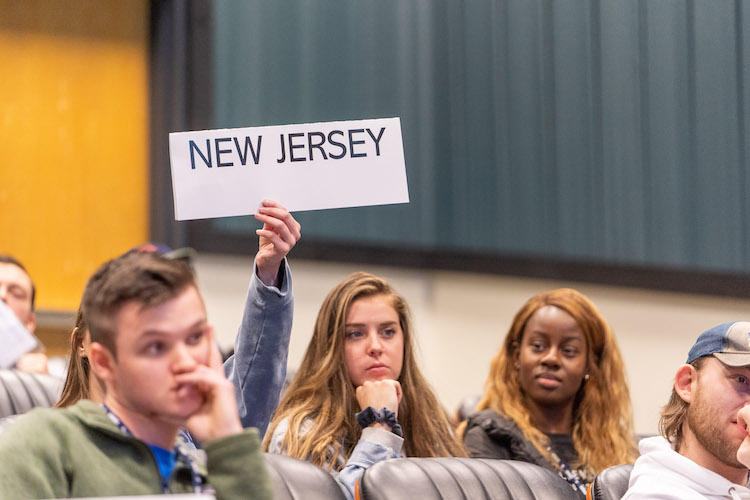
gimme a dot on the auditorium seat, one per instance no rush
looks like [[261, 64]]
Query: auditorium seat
[[22, 391], [611, 483], [461, 478], [293, 479]]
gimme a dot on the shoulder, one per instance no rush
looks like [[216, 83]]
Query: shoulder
[[282, 429], [235, 446], [490, 435], [486, 435], [662, 473], [5, 422], [40, 428], [278, 435], [492, 422], [59, 424], [39, 419], [661, 486]]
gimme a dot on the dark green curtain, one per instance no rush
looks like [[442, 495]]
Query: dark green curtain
[[606, 131]]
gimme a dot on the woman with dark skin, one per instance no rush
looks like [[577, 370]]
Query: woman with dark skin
[[556, 394]]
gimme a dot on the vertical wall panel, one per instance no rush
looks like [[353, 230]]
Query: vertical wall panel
[[478, 188], [668, 152], [742, 13], [73, 134], [502, 211], [575, 102], [718, 195], [624, 213]]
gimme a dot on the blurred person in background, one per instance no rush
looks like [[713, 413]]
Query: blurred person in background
[[18, 292]]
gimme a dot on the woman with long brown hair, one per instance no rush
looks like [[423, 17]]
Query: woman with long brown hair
[[556, 394], [79, 383], [358, 396]]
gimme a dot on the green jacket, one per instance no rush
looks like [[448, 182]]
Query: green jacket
[[79, 452]]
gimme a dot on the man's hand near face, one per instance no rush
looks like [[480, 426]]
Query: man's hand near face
[[743, 453], [218, 416]]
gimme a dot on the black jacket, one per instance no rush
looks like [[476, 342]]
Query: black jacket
[[490, 435]]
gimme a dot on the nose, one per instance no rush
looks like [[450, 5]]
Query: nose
[[183, 359], [551, 357], [375, 345], [4, 293]]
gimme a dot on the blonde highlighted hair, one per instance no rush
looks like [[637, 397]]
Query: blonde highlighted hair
[[320, 403], [602, 415]]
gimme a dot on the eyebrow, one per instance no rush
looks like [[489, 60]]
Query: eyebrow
[[569, 337], [14, 285], [385, 323], [743, 370], [202, 323]]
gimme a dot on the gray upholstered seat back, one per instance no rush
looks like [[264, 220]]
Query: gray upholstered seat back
[[294, 479], [21, 391], [611, 483], [461, 478]]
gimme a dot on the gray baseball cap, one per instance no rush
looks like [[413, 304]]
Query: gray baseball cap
[[729, 342]]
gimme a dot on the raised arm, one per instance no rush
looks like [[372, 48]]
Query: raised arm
[[258, 367]]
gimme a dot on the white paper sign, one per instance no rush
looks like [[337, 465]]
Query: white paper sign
[[16, 340], [311, 166]]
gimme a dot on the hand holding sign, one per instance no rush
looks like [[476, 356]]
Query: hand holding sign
[[219, 173], [279, 234]]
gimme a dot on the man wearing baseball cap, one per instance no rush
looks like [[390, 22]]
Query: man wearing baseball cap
[[696, 455]]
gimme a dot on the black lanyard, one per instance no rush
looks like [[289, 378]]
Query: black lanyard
[[567, 474]]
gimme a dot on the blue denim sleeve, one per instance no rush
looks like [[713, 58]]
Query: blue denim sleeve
[[258, 366], [375, 445]]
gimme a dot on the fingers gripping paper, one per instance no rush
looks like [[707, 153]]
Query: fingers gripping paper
[[226, 172]]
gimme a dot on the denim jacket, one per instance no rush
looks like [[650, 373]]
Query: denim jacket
[[374, 445], [258, 366]]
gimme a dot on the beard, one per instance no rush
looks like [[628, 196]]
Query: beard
[[706, 424]]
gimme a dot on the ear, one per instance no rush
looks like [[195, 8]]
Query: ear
[[30, 323], [685, 382], [102, 362], [77, 346]]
